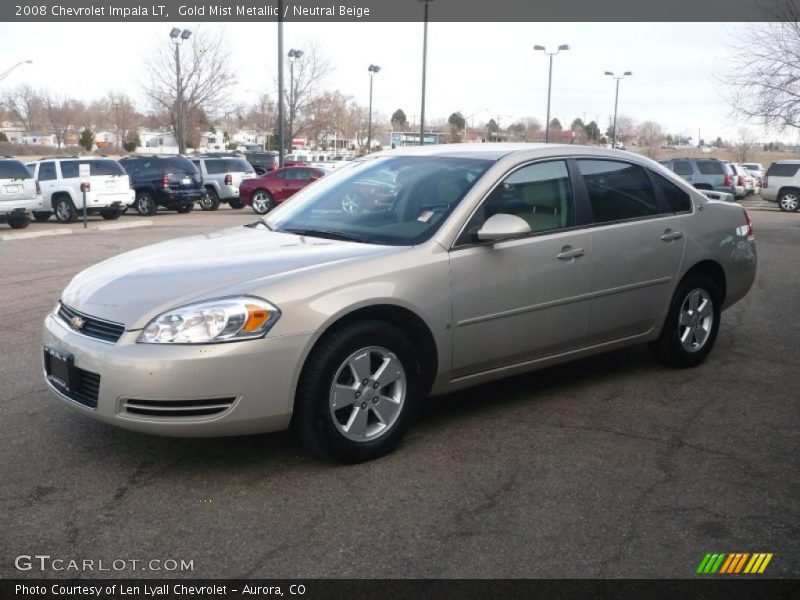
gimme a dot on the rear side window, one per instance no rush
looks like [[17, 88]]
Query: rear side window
[[47, 171], [237, 165], [682, 167], [180, 164], [214, 166], [782, 169], [710, 167], [13, 169], [678, 200], [617, 190], [105, 167]]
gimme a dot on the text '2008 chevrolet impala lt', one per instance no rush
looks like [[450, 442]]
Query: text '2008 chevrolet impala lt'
[[405, 274]]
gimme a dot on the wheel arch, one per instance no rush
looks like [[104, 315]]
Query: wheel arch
[[404, 318], [786, 188], [712, 269], [60, 194]]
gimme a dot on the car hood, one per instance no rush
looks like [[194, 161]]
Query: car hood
[[134, 287]]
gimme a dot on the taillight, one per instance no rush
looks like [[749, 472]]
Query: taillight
[[165, 181], [750, 231], [38, 188], [741, 180], [228, 179], [728, 181], [86, 187], [764, 181]]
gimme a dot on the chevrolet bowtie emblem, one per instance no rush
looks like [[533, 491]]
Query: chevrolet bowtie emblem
[[77, 323]]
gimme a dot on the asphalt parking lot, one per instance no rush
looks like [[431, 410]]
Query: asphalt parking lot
[[612, 466]]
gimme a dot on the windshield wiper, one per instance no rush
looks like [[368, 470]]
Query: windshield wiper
[[327, 233], [261, 221]]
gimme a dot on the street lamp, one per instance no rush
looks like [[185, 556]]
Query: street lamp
[[293, 56], [549, 84], [7, 72], [424, 65], [616, 101], [373, 70], [281, 142], [178, 37], [116, 110]]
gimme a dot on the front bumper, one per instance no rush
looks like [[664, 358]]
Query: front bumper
[[257, 377]]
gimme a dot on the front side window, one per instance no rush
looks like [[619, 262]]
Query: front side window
[[617, 191], [69, 169], [391, 200], [540, 194]]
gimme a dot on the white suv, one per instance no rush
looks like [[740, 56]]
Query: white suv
[[108, 191], [19, 193], [781, 184]]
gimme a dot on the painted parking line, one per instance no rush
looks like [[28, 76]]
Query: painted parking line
[[132, 224], [9, 237]]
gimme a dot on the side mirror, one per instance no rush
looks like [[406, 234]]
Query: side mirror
[[503, 227]]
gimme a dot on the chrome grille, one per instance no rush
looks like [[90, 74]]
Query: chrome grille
[[92, 326]]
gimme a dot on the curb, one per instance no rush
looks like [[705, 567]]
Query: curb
[[33, 234]]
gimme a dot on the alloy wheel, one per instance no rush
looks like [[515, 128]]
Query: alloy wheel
[[64, 211], [696, 320], [367, 394], [261, 203], [790, 202]]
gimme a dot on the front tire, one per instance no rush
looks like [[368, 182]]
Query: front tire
[[19, 222], [789, 201], [358, 392], [262, 202], [692, 323], [111, 214], [145, 204]]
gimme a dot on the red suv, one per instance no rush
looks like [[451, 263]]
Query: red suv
[[265, 192]]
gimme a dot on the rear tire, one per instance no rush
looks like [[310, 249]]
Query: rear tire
[[692, 322], [41, 216], [19, 222], [210, 201], [65, 210], [145, 204], [789, 201], [374, 419], [235, 203], [111, 214]]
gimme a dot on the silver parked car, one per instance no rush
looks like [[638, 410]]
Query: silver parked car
[[222, 176], [472, 263]]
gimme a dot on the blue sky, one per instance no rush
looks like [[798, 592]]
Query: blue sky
[[482, 69]]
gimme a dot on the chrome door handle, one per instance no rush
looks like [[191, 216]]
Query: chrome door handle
[[568, 253], [670, 235]]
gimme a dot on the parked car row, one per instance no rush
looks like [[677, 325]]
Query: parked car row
[[714, 174], [53, 186]]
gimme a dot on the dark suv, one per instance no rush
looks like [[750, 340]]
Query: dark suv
[[169, 181], [263, 161]]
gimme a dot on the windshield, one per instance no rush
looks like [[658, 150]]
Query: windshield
[[399, 200]]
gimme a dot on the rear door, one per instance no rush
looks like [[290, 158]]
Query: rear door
[[637, 246], [48, 180]]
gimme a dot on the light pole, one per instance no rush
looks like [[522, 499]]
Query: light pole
[[424, 67], [7, 72], [293, 56], [549, 84], [178, 37], [116, 110], [616, 102], [373, 70], [281, 141]]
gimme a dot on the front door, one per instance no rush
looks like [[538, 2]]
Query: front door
[[520, 299]]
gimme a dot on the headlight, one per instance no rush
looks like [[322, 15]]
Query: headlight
[[212, 321]]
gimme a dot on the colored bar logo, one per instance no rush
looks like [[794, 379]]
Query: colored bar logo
[[734, 563]]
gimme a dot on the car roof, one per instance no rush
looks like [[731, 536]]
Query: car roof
[[498, 151], [788, 161]]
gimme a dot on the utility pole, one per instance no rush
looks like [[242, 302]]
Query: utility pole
[[281, 141]]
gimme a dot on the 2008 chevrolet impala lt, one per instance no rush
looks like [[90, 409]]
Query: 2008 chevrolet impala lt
[[406, 274]]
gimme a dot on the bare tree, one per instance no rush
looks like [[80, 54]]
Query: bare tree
[[63, 116], [766, 64], [306, 76], [261, 114], [650, 136], [745, 145], [206, 74], [26, 106], [626, 126]]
